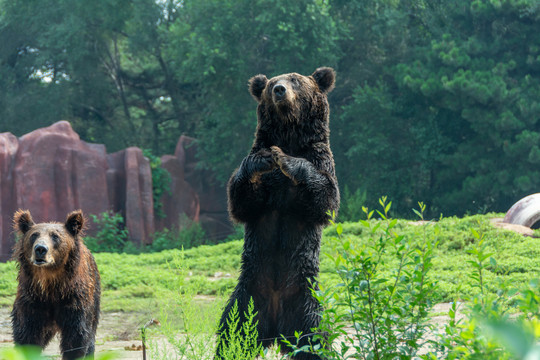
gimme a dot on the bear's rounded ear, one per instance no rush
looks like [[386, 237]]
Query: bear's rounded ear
[[325, 78], [257, 85], [22, 221], [75, 222]]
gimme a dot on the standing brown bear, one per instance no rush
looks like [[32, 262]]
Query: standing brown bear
[[59, 286], [282, 193]]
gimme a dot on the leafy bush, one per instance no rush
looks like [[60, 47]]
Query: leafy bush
[[352, 204], [161, 182], [111, 235], [490, 331], [188, 234], [238, 233], [370, 313], [240, 341], [193, 337], [34, 353]]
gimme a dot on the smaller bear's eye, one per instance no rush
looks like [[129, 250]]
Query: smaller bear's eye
[[55, 237], [294, 80], [34, 236]]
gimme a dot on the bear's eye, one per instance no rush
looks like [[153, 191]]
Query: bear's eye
[[33, 237], [294, 79], [55, 238]]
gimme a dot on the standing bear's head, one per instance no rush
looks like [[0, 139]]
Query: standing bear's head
[[47, 245], [292, 96]]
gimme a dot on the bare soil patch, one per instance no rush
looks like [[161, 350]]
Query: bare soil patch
[[116, 333]]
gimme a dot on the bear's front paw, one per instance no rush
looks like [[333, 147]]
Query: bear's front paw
[[262, 162], [278, 155], [258, 164], [280, 158]]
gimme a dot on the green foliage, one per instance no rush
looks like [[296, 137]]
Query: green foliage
[[474, 83], [187, 323], [111, 235], [490, 331], [34, 353], [240, 342], [21, 353], [237, 234], [435, 100], [161, 182], [351, 204], [371, 313], [188, 234], [217, 55]]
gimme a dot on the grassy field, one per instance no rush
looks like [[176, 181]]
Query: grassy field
[[146, 281], [186, 290]]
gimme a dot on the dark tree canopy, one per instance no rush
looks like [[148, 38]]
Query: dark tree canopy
[[435, 101]]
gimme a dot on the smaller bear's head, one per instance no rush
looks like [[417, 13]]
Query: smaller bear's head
[[47, 244], [290, 94]]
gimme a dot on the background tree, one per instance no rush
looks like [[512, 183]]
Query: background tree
[[220, 45], [479, 83], [436, 101]]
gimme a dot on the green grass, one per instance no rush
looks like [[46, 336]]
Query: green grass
[[146, 281], [519, 256]]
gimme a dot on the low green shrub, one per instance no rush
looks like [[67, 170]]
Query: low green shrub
[[34, 353], [240, 340], [111, 236], [161, 182], [352, 204], [372, 312], [188, 234], [188, 323], [498, 325]]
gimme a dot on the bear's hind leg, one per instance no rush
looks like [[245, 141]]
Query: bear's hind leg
[[301, 314]]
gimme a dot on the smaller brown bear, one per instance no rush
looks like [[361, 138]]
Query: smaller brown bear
[[59, 286]]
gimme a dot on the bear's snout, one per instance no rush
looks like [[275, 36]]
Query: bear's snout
[[40, 254], [279, 91], [40, 250]]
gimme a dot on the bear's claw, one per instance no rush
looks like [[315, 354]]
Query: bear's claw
[[277, 155]]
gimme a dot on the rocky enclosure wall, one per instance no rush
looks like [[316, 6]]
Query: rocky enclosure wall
[[51, 172]]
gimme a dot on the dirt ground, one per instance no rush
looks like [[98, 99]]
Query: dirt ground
[[119, 333], [116, 332]]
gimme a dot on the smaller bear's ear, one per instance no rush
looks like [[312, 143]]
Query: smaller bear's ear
[[257, 85], [75, 222], [325, 78], [22, 221]]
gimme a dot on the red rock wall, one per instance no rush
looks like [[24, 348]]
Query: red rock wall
[[51, 172], [129, 184], [213, 214], [9, 145]]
